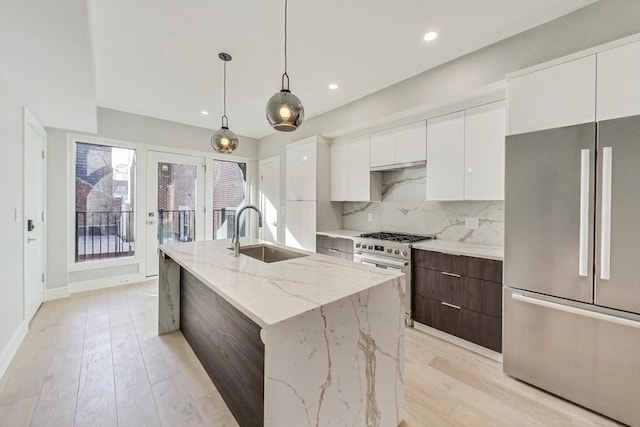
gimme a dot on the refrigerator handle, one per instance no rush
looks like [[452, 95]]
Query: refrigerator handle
[[583, 254], [575, 310], [605, 226]]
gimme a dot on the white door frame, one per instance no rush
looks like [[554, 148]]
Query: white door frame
[[261, 163], [29, 121], [200, 197]]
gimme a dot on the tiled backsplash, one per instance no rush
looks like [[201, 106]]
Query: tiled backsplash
[[404, 209]]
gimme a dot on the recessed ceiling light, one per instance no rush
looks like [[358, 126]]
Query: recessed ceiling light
[[204, 113], [333, 86], [431, 35]]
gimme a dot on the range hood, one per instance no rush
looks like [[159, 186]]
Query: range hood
[[398, 166]]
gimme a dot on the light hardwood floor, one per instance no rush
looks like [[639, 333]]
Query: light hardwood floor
[[95, 359]]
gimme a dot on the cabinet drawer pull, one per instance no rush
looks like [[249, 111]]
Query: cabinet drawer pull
[[450, 274], [457, 307]]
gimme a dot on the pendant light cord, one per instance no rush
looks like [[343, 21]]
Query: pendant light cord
[[285, 50], [225, 120]]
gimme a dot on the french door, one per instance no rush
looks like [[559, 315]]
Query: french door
[[175, 201]]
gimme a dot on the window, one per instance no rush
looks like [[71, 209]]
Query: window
[[104, 214], [229, 191]]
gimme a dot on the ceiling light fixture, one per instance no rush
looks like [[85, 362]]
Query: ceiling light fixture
[[224, 140], [204, 113], [285, 112], [430, 36], [333, 86]]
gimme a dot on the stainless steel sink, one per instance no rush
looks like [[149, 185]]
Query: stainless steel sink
[[268, 253]]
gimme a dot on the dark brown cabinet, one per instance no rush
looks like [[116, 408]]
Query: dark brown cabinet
[[459, 295], [337, 247]]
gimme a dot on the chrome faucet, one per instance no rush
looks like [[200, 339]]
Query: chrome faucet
[[236, 236]]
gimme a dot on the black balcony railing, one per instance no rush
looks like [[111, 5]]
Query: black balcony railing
[[176, 226], [104, 234], [220, 216]]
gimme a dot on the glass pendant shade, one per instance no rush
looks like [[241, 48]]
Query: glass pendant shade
[[224, 140], [285, 111]]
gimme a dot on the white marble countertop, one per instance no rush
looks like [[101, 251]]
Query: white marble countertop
[[446, 246], [341, 233], [269, 293], [462, 248]]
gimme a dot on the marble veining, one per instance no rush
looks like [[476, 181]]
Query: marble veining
[[404, 209], [340, 364], [269, 293]]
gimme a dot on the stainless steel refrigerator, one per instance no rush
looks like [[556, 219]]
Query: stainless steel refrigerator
[[572, 264]]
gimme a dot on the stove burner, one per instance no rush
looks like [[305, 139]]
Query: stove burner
[[397, 237]]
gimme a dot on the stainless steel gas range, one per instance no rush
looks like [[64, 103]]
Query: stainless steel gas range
[[391, 251]]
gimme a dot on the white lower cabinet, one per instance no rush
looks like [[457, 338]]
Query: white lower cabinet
[[301, 225], [465, 154]]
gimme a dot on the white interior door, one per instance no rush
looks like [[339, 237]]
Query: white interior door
[[35, 139], [270, 197], [175, 202]]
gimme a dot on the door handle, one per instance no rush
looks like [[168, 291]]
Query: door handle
[[583, 248], [457, 307], [605, 226], [150, 222], [31, 239], [450, 274]]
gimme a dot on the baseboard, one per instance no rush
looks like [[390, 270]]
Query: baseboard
[[57, 293], [490, 354], [12, 347], [108, 282]]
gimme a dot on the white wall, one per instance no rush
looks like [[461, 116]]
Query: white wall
[[12, 325], [116, 125]]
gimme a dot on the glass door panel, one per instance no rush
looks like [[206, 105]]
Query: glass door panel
[[229, 194], [175, 202]]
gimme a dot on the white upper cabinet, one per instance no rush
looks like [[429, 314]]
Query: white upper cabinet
[[465, 154], [301, 170], [618, 89], [403, 144], [364, 186], [351, 179], [445, 157], [340, 171], [484, 152], [553, 97], [411, 143], [380, 145]]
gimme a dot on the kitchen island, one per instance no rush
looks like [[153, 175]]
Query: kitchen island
[[308, 341]]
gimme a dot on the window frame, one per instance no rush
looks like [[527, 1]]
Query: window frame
[[141, 150], [71, 207]]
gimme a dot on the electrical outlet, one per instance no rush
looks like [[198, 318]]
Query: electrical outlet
[[370, 217], [471, 223]]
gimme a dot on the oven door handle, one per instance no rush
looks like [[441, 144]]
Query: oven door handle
[[379, 260]]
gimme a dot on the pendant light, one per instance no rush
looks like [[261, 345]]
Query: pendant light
[[224, 140], [285, 112]]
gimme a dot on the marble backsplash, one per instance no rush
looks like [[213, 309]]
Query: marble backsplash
[[404, 209]]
